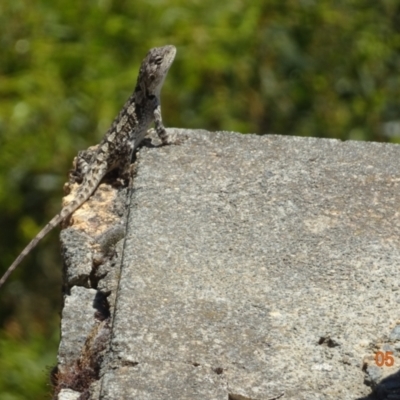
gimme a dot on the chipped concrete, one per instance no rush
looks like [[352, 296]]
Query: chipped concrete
[[91, 247], [76, 323], [68, 394], [256, 267]]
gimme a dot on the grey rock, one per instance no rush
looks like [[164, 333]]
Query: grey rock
[[76, 323], [255, 267], [395, 334], [77, 255], [163, 380], [68, 394]]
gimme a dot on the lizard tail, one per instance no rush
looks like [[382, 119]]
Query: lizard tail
[[81, 197], [32, 244]]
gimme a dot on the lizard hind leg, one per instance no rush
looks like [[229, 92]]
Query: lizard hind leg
[[81, 164]]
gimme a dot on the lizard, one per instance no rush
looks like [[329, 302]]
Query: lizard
[[116, 149]]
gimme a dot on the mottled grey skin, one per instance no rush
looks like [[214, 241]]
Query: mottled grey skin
[[125, 134]]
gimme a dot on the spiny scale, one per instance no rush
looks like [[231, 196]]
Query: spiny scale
[[125, 134]]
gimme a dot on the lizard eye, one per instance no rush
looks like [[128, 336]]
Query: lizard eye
[[158, 60]]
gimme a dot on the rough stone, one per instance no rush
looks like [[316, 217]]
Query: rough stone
[[257, 267], [76, 323], [68, 394], [77, 255], [163, 380]]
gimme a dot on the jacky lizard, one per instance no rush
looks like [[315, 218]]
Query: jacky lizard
[[125, 134]]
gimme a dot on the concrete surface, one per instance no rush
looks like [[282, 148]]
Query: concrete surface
[[254, 267]]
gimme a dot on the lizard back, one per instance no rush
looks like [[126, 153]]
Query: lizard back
[[123, 137]]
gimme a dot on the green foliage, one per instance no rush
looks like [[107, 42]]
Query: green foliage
[[304, 67], [25, 367]]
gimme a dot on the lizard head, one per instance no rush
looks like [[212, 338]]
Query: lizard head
[[154, 69]]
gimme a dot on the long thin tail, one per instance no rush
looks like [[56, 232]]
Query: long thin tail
[[32, 244], [84, 192]]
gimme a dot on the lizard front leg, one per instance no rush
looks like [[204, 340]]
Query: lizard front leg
[[160, 129], [81, 164]]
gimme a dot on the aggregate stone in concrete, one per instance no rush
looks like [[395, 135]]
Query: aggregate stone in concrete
[[68, 394], [77, 255], [256, 267], [76, 323], [167, 380]]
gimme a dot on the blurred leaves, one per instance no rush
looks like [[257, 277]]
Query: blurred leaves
[[300, 67], [24, 364]]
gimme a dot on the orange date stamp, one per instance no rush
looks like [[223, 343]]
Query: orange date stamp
[[384, 358]]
